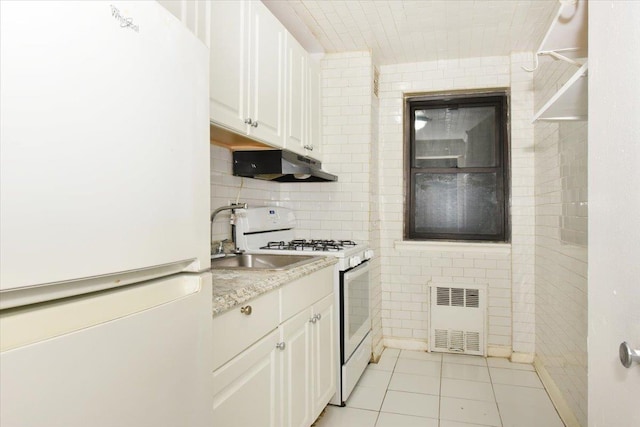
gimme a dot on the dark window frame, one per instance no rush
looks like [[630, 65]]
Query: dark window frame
[[499, 99]]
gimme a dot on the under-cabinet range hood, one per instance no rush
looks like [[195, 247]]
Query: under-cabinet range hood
[[279, 165]]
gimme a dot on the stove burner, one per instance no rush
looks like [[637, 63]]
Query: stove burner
[[275, 245], [311, 245]]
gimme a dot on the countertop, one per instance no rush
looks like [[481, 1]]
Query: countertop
[[234, 286]]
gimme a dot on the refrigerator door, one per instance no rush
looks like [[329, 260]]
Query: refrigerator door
[[134, 356], [104, 143]]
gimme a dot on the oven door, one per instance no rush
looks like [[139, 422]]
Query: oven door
[[355, 321]]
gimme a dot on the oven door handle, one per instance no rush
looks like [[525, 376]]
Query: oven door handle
[[356, 271]]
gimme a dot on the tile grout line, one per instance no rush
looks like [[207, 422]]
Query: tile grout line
[[440, 389], [495, 398], [387, 389]]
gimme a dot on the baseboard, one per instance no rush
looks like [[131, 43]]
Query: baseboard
[[376, 351], [405, 344], [421, 345], [558, 400], [519, 357], [499, 351]]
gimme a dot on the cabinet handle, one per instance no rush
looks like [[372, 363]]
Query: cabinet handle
[[319, 316], [280, 345], [314, 319], [248, 121], [308, 147], [246, 310], [254, 124]]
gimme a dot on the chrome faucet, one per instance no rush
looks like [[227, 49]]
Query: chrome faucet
[[231, 208]]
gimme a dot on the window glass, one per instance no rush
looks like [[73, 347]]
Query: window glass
[[463, 203], [455, 137]]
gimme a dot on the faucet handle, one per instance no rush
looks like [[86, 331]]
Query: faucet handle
[[220, 246]]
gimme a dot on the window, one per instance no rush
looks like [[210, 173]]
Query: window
[[456, 170]]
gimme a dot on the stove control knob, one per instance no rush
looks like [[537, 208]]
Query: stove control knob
[[368, 254], [354, 261]]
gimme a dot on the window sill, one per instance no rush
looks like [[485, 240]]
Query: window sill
[[422, 246]]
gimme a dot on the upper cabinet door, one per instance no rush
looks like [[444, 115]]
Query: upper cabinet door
[[193, 13], [314, 102], [297, 99], [266, 83], [229, 64]]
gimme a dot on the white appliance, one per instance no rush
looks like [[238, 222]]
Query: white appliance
[[104, 290], [272, 230]]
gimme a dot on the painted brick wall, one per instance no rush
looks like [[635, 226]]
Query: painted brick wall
[[522, 207], [561, 245], [407, 268]]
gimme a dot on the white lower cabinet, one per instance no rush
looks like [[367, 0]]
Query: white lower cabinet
[[247, 389], [287, 377], [296, 334], [309, 365], [324, 349]]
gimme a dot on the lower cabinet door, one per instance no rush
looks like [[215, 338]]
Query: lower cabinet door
[[296, 334], [247, 388], [324, 354]]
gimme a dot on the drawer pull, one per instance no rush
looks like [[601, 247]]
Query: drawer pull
[[246, 310], [280, 345]]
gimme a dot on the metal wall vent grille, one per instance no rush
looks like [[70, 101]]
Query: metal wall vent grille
[[458, 319], [458, 297]]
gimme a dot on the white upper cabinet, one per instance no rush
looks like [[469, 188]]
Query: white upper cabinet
[[193, 13], [266, 83], [297, 97], [247, 68], [313, 146], [303, 101], [263, 84], [229, 64]]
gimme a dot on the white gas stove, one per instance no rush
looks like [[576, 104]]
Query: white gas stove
[[272, 230]]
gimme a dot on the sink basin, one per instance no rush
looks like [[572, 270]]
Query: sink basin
[[261, 261]]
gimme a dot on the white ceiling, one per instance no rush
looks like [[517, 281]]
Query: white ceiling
[[402, 31]]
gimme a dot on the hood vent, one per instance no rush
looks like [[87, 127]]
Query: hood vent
[[279, 165]]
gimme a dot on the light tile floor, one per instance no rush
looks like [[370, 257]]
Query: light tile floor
[[413, 388]]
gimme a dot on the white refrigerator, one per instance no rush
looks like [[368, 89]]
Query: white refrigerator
[[105, 294]]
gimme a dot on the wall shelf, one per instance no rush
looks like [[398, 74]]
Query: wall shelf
[[568, 31], [570, 102], [566, 39]]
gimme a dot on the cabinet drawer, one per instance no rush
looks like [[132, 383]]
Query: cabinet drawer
[[305, 291], [234, 330]]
